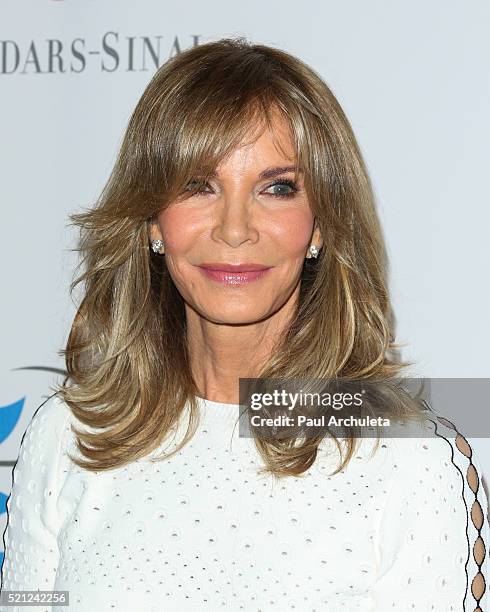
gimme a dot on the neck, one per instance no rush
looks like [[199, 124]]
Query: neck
[[220, 354]]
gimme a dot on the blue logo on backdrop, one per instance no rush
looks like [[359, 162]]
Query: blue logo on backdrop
[[3, 503], [9, 415]]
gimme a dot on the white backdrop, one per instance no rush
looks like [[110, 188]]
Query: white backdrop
[[412, 77]]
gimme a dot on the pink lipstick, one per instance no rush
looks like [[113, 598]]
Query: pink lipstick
[[233, 274]]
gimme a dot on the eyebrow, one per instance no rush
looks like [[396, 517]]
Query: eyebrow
[[267, 173]]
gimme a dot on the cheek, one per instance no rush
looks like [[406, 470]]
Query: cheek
[[291, 230], [178, 227]]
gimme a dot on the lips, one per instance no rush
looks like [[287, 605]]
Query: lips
[[229, 267], [234, 274]]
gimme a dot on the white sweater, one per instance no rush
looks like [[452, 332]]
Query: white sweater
[[202, 531]]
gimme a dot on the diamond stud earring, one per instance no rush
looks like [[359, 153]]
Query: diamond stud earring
[[157, 245], [313, 250]]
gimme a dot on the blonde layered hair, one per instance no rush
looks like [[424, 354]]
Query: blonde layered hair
[[126, 355]]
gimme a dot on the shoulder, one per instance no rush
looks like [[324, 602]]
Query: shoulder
[[44, 439], [437, 450], [49, 421], [439, 497], [436, 459]]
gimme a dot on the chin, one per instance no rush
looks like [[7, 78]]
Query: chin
[[235, 316]]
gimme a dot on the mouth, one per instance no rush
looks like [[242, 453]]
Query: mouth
[[234, 274]]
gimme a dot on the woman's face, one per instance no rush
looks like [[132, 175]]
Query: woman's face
[[236, 249]]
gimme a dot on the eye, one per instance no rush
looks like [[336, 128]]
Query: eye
[[196, 186], [283, 188]]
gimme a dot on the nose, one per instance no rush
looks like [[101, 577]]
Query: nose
[[235, 224]]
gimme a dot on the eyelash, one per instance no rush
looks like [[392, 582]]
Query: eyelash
[[290, 183]]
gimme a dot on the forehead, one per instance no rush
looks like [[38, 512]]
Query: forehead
[[267, 141], [272, 131]]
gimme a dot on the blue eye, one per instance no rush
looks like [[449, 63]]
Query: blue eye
[[287, 188]]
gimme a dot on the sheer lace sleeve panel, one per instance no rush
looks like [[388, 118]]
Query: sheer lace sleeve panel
[[434, 531]]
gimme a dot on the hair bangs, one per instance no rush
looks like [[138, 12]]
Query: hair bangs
[[214, 109]]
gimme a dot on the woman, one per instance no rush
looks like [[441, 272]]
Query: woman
[[236, 238]]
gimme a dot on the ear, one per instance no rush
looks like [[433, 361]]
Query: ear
[[154, 232], [317, 238]]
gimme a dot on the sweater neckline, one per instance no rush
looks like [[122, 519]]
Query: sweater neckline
[[219, 411]]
